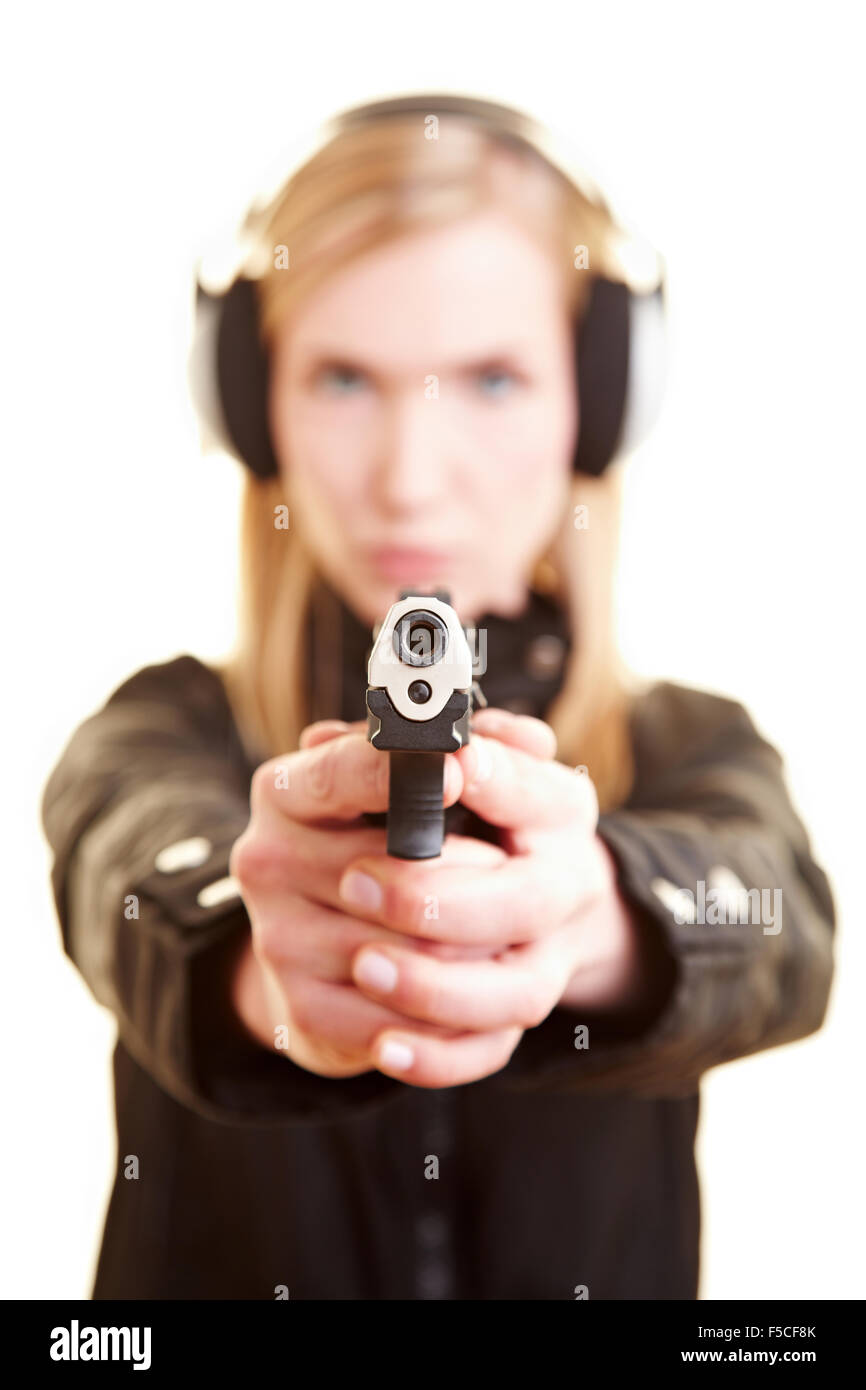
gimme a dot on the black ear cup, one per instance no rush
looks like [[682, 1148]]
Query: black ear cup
[[602, 369], [242, 376]]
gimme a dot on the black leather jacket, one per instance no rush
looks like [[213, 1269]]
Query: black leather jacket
[[568, 1168]]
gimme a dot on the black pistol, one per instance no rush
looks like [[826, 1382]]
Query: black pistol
[[420, 697]]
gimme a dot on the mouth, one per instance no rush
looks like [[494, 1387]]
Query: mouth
[[410, 563]]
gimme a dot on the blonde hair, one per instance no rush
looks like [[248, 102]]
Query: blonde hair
[[369, 185]]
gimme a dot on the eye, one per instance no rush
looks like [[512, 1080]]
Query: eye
[[496, 382], [341, 381]]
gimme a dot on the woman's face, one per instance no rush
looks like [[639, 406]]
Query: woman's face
[[423, 404]]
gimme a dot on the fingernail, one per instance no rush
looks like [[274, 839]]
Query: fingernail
[[376, 972], [396, 1056], [483, 762], [360, 890]]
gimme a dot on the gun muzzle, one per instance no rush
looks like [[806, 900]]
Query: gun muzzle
[[419, 704]]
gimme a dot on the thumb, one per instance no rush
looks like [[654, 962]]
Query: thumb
[[325, 729], [517, 730]]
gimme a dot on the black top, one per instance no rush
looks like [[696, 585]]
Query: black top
[[569, 1167]]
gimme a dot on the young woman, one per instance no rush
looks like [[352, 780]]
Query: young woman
[[342, 1075]]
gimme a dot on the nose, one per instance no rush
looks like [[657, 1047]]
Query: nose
[[412, 464]]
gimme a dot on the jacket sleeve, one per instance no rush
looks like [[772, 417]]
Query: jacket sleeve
[[141, 812], [709, 821]]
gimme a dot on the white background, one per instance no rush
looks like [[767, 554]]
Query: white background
[[733, 136]]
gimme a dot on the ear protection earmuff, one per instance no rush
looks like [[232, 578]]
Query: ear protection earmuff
[[620, 336]]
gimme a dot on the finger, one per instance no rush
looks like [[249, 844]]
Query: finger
[[291, 857], [342, 1017], [508, 787], [338, 779], [518, 989], [293, 935], [518, 730], [518, 899], [424, 1060], [275, 856]]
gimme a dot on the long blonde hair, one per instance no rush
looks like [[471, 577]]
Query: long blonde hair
[[367, 186]]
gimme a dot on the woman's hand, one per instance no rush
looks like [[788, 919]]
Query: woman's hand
[[295, 974], [546, 904]]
